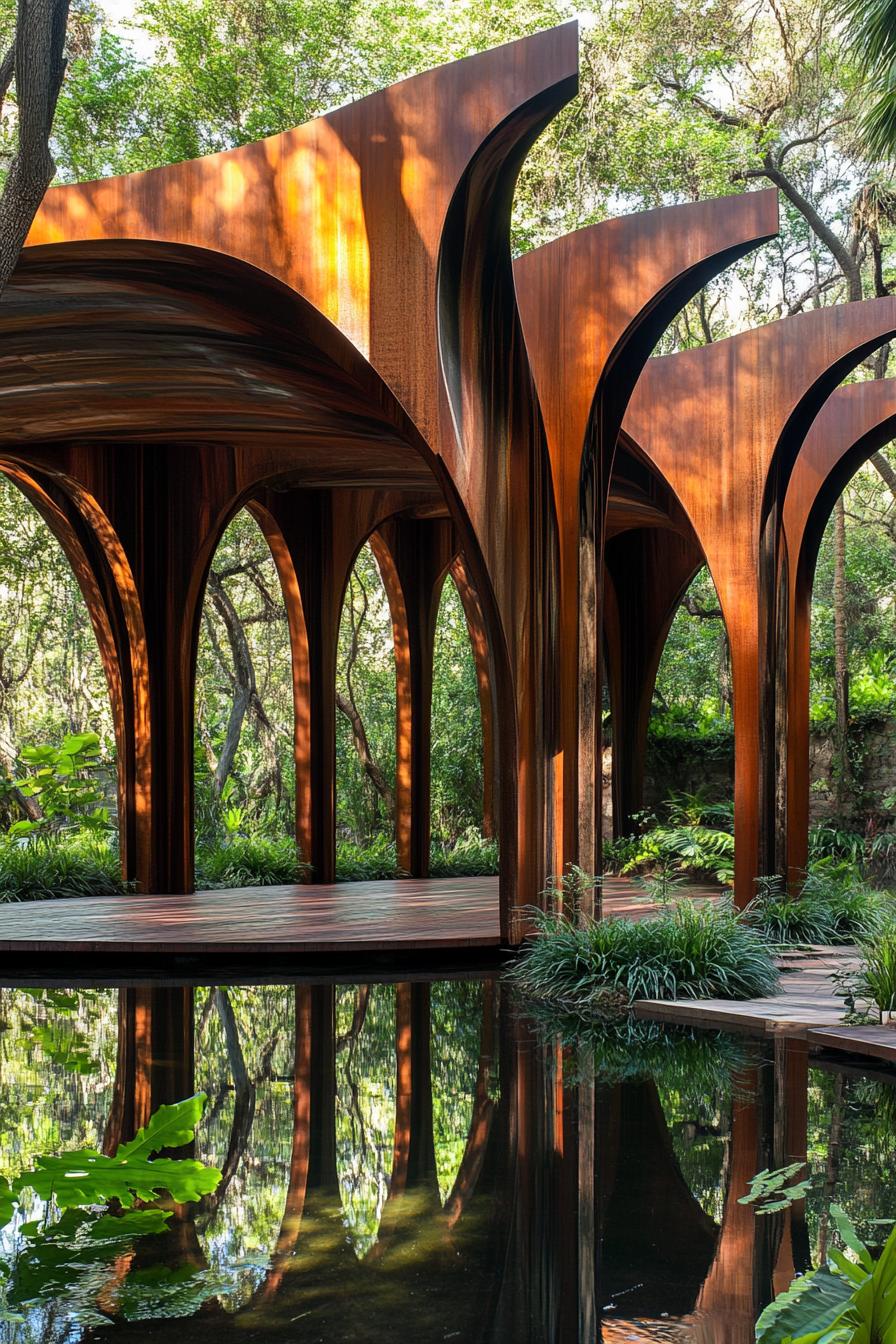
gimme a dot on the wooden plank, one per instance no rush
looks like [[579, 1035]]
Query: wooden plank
[[879, 1042], [341, 917]]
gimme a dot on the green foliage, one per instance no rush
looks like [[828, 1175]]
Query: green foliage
[[132, 1173], [471, 855], [874, 983], [693, 950], [249, 861], [694, 841], [69, 867], [829, 908], [848, 1301], [52, 1257], [60, 782], [773, 1191], [366, 863]]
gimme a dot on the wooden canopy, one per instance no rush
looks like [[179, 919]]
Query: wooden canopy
[[327, 327]]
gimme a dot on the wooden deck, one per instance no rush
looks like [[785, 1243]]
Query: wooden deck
[[345, 917], [806, 1009]]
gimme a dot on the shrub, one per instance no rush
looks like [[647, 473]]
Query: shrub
[[366, 863], [76, 866], [693, 950], [471, 855], [875, 982], [829, 908], [249, 861]]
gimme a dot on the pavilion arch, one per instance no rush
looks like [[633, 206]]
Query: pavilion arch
[[854, 423], [265, 404], [106, 582]]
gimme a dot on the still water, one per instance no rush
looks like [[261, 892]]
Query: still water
[[420, 1161]]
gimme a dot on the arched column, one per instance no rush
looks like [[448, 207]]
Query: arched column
[[856, 421], [723, 425], [107, 585], [593, 305]]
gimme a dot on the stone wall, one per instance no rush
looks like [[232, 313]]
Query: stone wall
[[683, 765]]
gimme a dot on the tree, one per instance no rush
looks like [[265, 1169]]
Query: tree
[[35, 65], [871, 34]]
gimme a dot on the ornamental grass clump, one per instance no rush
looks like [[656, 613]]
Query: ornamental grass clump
[[70, 867], [693, 950], [828, 909]]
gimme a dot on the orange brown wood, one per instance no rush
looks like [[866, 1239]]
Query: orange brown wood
[[328, 328], [854, 423]]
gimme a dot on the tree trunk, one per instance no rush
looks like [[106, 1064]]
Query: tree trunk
[[246, 699], [841, 658], [38, 64]]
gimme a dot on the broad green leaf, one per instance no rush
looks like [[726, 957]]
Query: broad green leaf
[[850, 1237], [811, 1304], [884, 1283], [90, 1177], [168, 1127], [7, 1201]]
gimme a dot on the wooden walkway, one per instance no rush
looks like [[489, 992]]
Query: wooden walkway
[[345, 917], [806, 1009], [404, 914]]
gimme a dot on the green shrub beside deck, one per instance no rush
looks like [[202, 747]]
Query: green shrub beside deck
[[695, 950], [76, 866]]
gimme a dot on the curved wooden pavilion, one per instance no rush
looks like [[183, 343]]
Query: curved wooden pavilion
[[327, 328]]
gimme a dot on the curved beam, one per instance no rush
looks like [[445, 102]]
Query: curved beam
[[593, 304], [724, 425], [856, 421]]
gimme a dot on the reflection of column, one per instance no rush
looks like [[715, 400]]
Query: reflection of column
[[736, 1287], [791, 1121], [154, 1063], [414, 1154], [656, 1242], [413, 556], [312, 1163]]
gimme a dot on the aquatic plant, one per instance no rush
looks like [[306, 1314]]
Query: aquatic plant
[[692, 950], [44, 1258], [846, 1301]]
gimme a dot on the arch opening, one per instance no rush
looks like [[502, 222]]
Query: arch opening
[[60, 708], [463, 824], [243, 758]]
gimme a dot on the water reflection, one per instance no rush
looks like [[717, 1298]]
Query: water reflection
[[422, 1159]]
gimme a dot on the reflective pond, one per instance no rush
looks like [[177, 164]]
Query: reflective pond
[[417, 1161]]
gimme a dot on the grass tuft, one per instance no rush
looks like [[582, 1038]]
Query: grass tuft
[[76, 866], [829, 909], [249, 861], [695, 950]]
